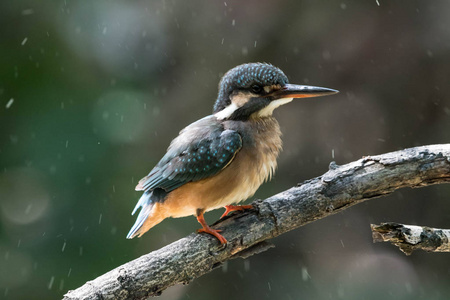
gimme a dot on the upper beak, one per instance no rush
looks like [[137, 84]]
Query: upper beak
[[302, 91]]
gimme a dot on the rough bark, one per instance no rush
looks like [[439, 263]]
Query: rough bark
[[410, 237], [339, 188]]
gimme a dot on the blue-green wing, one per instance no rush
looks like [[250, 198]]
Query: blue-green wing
[[193, 159]]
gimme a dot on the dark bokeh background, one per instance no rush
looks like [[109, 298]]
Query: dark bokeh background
[[91, 94]]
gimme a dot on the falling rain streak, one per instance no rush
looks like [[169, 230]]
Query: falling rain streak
[[50, 284], [10, 102]]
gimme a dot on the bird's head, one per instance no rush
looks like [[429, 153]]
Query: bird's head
[[254, 90]]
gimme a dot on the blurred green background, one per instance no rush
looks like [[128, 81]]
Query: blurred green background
[[91, 94]]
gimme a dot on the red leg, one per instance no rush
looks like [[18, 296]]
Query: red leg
[[208, 229], [230, 208]]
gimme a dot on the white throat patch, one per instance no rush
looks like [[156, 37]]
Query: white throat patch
[[268, 110]]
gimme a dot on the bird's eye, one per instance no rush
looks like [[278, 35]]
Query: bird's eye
[[256, 89]]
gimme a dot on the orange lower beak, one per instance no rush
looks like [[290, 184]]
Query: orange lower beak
[[302, 91]]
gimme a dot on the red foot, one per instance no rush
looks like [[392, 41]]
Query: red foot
[[215, 233], [207, 229], [230, 208]]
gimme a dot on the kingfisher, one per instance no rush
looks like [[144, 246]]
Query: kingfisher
[[223, 158]]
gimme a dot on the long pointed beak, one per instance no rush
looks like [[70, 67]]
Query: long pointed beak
[[302, 91]]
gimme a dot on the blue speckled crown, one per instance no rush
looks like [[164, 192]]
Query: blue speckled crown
[[244, 76]]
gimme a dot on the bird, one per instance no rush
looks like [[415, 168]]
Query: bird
[[223, 158]]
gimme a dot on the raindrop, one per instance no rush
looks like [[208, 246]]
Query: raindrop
[[305, 274], [28, 209], [52, 169], [27, 12], [50, 284], [24, 41], [225, 267], [447, 111], [100, 219], [63, 247], [10, 102], [14, 139], [246, 265]]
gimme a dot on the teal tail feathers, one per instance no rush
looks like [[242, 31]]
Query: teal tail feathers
[[146, 203]]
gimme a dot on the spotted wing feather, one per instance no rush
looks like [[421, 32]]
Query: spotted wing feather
[[193, 160]]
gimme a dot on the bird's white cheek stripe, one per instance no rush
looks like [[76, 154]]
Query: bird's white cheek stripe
[[226, 112]]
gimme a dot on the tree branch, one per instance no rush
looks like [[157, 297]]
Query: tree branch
[[409, 237], [336, 190]]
